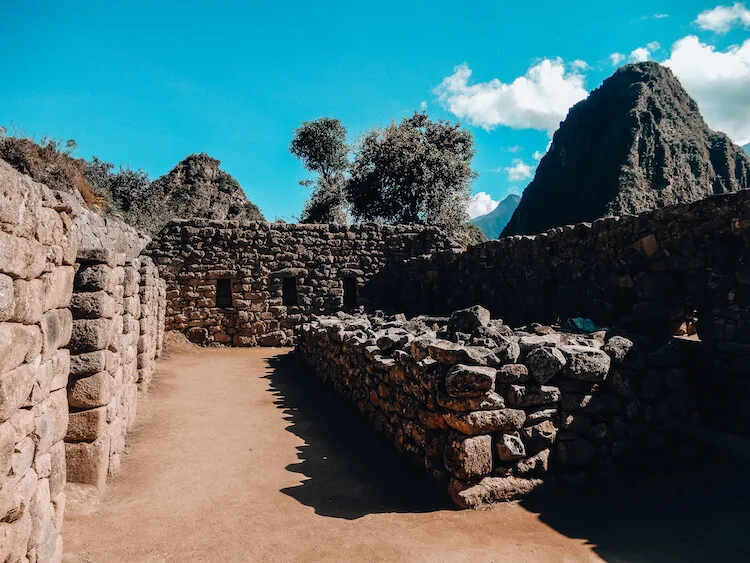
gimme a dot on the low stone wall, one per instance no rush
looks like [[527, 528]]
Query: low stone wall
[[495, 413], [254, 261], [37, 252]]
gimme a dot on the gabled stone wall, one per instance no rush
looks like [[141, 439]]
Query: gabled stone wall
[[38, 246], [256, 258], [495, 413]]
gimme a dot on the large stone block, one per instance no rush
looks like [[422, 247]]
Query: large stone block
[[88, 363], [15, 387], [90, 392], [21, 258], [87, 426], [470, 381], [50, 421], [57, 329], [16, 340], [585, 363], [93, 305], [98, 277], [28, 301], [544, 363], [486, 422], [90, 335], [58, 287], [467, 494], [468, 457], [88, 462]]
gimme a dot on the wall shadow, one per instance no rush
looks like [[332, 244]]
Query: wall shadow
[[350, 469], [697, 512]]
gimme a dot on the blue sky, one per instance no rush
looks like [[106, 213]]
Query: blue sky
[[146, 83]]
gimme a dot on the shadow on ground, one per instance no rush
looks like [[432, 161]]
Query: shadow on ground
[[351, 470], [696, 513]]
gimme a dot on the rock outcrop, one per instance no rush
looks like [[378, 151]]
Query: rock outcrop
[[638, 142], [493, 223], [196, 187]]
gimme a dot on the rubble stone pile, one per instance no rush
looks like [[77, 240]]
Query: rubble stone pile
[[496, 412]]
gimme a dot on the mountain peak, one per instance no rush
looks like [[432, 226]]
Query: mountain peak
[[493, 223], [637, 142]]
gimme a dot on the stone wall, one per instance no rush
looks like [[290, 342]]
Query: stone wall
[[58, 298], [652, 273], [676, 270], [255, 260], [496, 413], [152, 293], [38, 246], [102, 392]]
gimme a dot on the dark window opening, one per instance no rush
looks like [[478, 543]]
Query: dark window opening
[[224, 293], [350, 293], [289, 292]]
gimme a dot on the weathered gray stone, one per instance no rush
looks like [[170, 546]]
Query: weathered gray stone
[[91, 334], [468, 457], [468, 320], [490, 401], [586, 364], [15, 387], [88, 363], [490, 490], [509, 447], [90, 392], [20, 257], [519, 396], [87, 425], [7, 304], [512, 373], [544, 363], [57, 329], [93, 305], [486, 422], [469, 381]]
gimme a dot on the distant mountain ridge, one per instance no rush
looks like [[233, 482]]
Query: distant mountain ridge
[[638, 142], [746, 148], [493, 223]]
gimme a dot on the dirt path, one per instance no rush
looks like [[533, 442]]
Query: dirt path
[[240, 455]]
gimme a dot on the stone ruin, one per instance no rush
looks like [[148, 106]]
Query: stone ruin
[[495, 413], [491, 411], [81, 321], [251, 284]]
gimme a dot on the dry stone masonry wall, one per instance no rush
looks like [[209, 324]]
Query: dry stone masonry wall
[[496, 413], [676, 270], [250, 284], [70, 282], [38, 246]]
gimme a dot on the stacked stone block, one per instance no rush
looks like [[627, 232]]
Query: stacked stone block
[[257, 258], [102, 390], [37, 252], [151, 321], [496, 413]]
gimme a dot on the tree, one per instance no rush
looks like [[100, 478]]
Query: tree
[[321, 146], [418, 171]]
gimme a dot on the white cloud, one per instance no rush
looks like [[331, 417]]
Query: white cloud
[[515, 190], [719, 81], [579, 64], [423, 105], [519, 171], [537, 155], [514, 148], [481, 204], [540, 99], [660, 16], [616, 58], [723, 18], [640, 55], [653, 46]]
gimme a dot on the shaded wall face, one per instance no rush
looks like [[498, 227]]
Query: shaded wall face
[[277, 274], [37, 251], [647, 274]]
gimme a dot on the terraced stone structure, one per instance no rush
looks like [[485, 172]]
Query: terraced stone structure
[[250, 284], [495, 413]]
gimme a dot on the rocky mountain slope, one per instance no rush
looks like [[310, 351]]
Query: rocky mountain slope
[[636, 143], [196, 187], [493, 223]]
